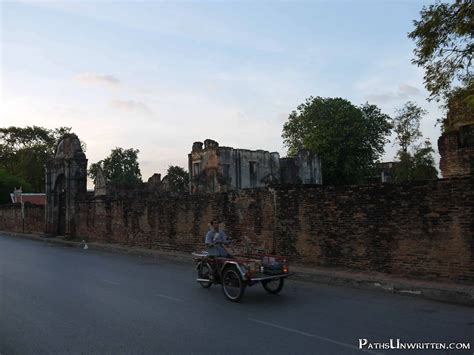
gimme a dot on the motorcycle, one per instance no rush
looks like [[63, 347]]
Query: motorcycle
[[235, 273]]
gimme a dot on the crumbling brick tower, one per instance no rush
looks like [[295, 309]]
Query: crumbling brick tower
[[66, 183], [456, 144], [457, 152]]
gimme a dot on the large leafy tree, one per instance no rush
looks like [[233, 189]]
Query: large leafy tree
[[415, 160], [25, 150], [444, 38], [8, 183], [348, 139], [178, 179], [121, 166], [460, 108]]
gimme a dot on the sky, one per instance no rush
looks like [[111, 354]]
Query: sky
[[158, 76]]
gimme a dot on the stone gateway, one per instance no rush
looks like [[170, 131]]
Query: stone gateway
[[66, 183]]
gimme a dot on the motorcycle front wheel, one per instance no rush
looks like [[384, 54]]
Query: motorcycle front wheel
[[205, 272], [232, 284]]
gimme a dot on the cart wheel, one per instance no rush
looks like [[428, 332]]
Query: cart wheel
[[205, 272], [232, 284], [273, 286]]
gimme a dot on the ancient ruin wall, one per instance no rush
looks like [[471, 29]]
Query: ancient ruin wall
[[456, 148], [422, 230], [176, 222], [11, 218]]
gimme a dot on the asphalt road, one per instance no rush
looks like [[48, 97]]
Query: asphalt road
[[58, 300]]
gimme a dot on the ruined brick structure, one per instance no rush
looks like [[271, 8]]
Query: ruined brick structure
[[100, 183], [66, 183], [419, 229], [213, 168], [456, 148]]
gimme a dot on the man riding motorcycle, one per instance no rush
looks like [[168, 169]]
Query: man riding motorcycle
[[215, 240]]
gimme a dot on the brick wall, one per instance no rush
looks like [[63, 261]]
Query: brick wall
[[457, 152], [11, 219], [422, 230], [177, 222]]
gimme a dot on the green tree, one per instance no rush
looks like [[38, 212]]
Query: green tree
[[417, 166], [444, 45], [424, 167], [348, 139], [8, 183], [406, 125], [25, 150], [178, 179], [121, 166], [415, 161], [460, 108]]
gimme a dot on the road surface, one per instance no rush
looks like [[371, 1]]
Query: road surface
[[59, 300]]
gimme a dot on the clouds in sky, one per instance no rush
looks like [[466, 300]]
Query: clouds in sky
[[404, 92], [112, 82], [130, 106], [98, 79], [409, 90], [231, 71]]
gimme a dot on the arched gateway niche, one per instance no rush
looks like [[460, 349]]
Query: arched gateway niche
[[59, 201], [66, 179]]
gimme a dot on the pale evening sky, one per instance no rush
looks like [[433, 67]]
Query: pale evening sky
[[158, 76]]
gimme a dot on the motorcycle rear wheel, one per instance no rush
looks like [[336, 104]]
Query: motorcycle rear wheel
[[273, 286]]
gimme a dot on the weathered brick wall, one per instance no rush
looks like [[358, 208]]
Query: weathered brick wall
[[457, 152], [177, 222], [11, 220], [423, 230]]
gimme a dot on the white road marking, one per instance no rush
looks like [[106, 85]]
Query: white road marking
[[312, 336], [170, 298], [111, 282]]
